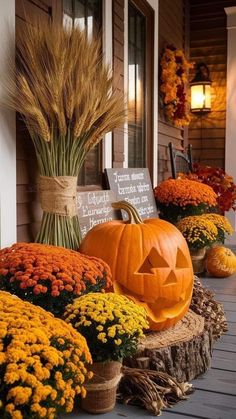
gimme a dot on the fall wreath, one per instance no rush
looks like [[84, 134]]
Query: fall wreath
[[174, 74]]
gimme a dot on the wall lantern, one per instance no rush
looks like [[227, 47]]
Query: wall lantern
[[201, 90]]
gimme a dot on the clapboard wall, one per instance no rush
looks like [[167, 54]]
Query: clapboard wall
[[172, 18], [208, 43]]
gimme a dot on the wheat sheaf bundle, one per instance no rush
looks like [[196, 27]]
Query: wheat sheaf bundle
[[64, 93]]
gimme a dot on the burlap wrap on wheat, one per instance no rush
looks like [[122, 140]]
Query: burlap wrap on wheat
[[58, 195]]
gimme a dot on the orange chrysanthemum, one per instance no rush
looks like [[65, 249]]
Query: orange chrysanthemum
[[183, 192], [50, 276]]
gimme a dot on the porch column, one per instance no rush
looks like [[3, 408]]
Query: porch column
[[155, 6], [230, 141], [107, 51], [7, 133]]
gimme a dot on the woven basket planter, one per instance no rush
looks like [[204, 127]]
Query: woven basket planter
[[198, 260], [101, 390]]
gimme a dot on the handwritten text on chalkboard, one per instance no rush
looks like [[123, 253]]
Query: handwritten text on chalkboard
[[94, 207], [134, 185]]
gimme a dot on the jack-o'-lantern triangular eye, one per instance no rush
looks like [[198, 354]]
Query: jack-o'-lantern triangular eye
[[181, 260], [152, 260]]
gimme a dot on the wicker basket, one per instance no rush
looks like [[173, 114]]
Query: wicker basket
[[101, 390], [198, 260]]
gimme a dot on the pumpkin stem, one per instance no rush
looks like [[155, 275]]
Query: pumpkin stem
[[134, 217]]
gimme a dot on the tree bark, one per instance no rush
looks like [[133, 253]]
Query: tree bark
[[183, 351]]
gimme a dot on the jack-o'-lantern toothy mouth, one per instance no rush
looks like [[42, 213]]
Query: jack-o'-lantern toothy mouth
[[162, 308], [162, 302]]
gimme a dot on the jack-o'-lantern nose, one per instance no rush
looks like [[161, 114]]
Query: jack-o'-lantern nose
[[170, 280], [153, 260]]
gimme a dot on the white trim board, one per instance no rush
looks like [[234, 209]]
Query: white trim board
[[7, 133], [230, 143], [108, 58], [155, 5]]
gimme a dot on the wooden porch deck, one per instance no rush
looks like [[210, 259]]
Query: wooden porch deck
[[215, 394]]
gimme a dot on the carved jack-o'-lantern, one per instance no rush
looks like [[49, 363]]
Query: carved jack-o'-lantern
[[149, 261]]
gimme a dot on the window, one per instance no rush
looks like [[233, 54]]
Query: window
[[140, 83], [87, 14], [136, 90]]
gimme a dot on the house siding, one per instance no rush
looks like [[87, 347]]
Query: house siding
[[208, 44], [172, 16]]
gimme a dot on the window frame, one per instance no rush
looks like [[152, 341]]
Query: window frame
[[148, 12], [100, 147]]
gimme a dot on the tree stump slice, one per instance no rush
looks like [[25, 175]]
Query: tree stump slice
[[183, 351]]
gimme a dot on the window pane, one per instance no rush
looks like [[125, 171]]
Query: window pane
[[86, 15], [68, 12], [80, 14], [136, 88]]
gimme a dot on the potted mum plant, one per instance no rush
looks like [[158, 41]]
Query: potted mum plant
[[222, 183], [199, 233], [64, 93], [178, 198], [222, 224], [44, 362], [112, 325], [50, 276]]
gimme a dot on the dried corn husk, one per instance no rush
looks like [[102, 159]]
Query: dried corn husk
[[205, 304], [152, 390]]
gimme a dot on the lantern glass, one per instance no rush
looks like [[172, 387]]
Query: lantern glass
[[208, 96], [201, 97]]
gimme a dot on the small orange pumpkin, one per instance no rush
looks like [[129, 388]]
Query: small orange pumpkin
[[221, 262], [149, 261]]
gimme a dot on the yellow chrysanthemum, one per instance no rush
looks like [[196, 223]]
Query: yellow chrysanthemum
[[110, 322], [198, 231], [221, 223]]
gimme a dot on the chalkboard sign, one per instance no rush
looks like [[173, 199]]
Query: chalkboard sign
[[134, 186], [94, 207]]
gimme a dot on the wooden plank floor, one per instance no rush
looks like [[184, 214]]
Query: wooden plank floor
[[215, 394]]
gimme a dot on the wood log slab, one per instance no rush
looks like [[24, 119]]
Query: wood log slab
[[183, 351]]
